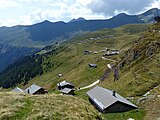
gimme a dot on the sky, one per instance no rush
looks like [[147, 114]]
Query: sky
[[28, 12]]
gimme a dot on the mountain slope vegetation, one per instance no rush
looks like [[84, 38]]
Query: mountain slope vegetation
[[28, 107], [10, 54], [139, 73], [138, 64], [46, 33], [69, 59]]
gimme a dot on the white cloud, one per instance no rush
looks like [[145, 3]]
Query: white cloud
[[27, 1], [28, 12], [110, 7], [30, 1], [77, 10], [9, 22], [155, 4], [25, 20], [62, 12], [84, 2], [8, 3]]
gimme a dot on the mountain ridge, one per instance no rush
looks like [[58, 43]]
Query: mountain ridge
[[113, 22], [46, 33], [78, 19]]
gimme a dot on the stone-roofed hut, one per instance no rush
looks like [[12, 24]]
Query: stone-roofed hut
[[18, 90], [109, 101], [35, 89], [64, 84]]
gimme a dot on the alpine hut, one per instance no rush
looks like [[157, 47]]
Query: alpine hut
[[64, 84], [92, 65], [108, 101], [67, 91], [18, 90], [35, 89]]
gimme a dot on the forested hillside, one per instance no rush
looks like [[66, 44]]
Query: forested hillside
[[68, 58], [10, 54]]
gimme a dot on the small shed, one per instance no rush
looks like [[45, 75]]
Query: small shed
[[35, 89], [18, 90], [108, 101], [86, 52], [64, 84], [92, 65], [67, 91], [111, 53], [95, 52], [115, 52], [60, 75]]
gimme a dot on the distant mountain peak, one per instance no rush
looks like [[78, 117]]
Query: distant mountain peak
[[153, 11], [46, 21], [78, 19], [148, 16], [122, 14], [42, 23]]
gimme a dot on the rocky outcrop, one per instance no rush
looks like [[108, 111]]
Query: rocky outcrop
[[145, 46]]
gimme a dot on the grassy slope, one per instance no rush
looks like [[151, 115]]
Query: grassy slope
[[141, 75], [52, 106], [71, 61], [74, 64]]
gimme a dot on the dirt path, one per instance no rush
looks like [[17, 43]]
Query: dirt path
[[91, 85], [108, 59], [98, 81]]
